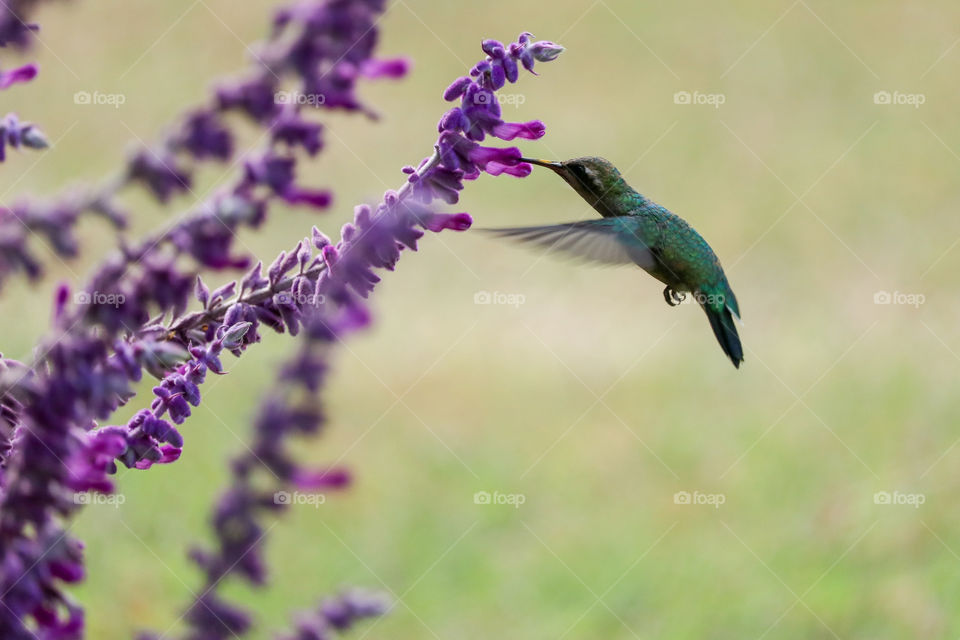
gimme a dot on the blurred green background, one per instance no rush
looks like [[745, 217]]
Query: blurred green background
[[593, 400]]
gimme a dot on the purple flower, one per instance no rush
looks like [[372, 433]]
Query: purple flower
[[32, 571], [133, 315], [160, 175], [20, 74], [278, 174], [545, 51], [14, 30], [395, 68], [337, 615], [213, 619], [13, 133], [324, 479], [256, 97], [209, 240], [294, 131], [532, 130], [205, 135], [342, 612], [94, 460], [459, 153], [479, 113]]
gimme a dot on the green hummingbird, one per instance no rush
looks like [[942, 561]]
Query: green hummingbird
[[636, 230]]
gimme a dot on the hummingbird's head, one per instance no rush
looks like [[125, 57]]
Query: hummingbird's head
[[593, 178]]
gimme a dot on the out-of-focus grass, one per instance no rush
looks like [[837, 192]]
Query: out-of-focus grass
[[593, 399]]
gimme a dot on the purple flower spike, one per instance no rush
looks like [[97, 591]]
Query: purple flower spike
[[145, 309]]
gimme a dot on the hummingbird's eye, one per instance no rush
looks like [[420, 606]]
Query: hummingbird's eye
[[585, 176], [579, 171]]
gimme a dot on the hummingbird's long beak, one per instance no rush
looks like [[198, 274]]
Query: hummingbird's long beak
[[549, 164]]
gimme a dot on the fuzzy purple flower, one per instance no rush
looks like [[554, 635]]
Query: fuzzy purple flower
[[20, 74], [159, 174], [15, 134], [205, 135], [135, 315]]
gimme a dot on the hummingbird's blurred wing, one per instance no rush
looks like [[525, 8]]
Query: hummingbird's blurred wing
[[608, 240]]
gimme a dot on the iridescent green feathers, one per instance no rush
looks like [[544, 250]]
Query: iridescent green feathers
[[635, 230]]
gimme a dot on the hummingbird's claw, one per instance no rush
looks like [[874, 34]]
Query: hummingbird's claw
[[672, 297]]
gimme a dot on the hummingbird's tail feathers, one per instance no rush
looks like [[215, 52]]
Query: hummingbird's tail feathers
[[721, 321], [612, 241], [731, 300]]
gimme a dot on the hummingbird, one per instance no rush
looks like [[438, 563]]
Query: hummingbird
[[635, 230]]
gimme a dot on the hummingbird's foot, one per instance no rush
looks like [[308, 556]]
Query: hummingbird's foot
[[672, 297]]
